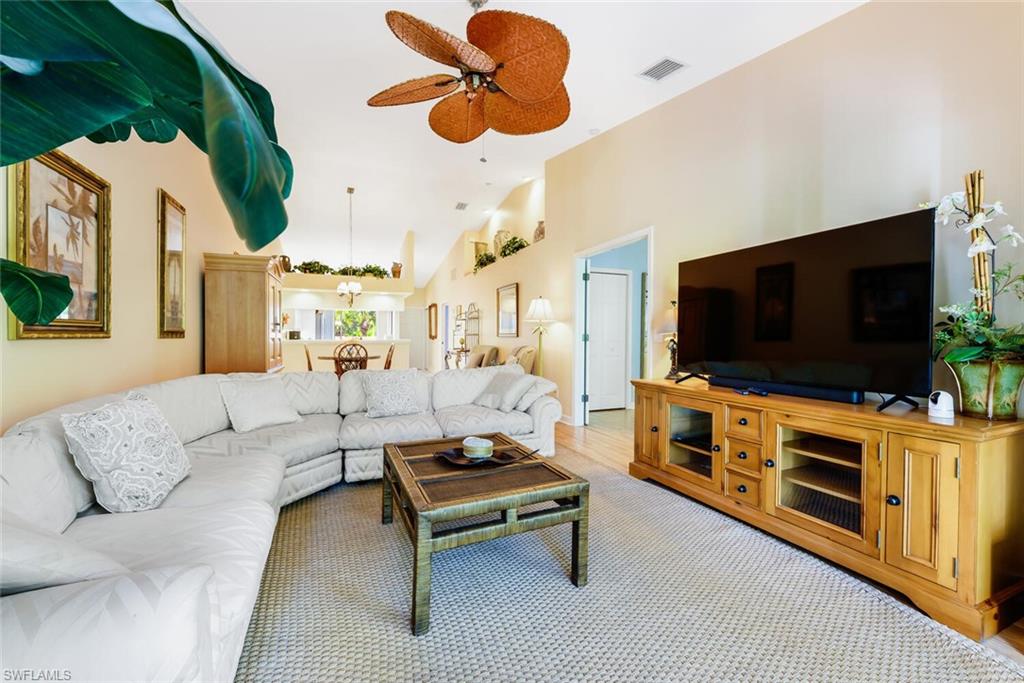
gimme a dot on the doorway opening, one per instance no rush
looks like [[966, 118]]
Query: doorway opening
[[613, 318]]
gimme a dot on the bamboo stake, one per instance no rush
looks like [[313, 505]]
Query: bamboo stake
[[974, 186]]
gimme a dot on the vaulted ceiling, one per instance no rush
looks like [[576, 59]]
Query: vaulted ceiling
[[322, 60]]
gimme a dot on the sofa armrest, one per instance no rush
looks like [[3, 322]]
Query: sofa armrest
[[545, 411]]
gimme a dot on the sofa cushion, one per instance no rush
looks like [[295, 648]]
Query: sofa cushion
[[311, 437], [474, 419], [257, 403], [540, 387], [361, 432], [232, 537], [391, 392], [32, 482], [128, 451], [218, 478], [148, 626], [504, 391], [461, 386], [31, 558], [192, 405], [311, 392], [352, 397]]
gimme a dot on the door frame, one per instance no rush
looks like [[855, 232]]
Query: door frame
[[580, 265], [630, 403]]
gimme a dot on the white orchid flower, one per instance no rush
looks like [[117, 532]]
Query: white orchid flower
[[955, 310], [978, 222], [997, 208], [1010, 234], [945, 209], [982, 245]]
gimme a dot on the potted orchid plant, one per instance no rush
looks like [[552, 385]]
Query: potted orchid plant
[[986, 357]]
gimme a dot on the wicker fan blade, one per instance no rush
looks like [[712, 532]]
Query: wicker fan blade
[[458, 118], [439, 45], [416, 90], [509, 116], [533, 54]]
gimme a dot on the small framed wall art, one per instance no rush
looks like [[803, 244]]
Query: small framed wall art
[[170, 266], [432, 321], [508, 310], [59, 221]]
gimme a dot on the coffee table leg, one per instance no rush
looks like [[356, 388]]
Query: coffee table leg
[[386, 496], [581, 542], [421, 577]]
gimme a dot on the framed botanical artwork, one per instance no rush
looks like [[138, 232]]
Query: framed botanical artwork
[[508, 310], [773, 315], [432, 321], [170, 265], [59, 221]]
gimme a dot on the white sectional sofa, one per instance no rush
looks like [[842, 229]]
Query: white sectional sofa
[[187, 573]]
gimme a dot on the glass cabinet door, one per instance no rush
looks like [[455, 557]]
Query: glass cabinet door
[[828, 482], [694, 442]]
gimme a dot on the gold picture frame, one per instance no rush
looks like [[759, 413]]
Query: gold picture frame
[[170, 287], [432, 322], [507, 319], [59, 221]]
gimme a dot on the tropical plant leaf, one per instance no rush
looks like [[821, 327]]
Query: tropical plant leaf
[[192, 86], [35, 297], [964, 353]]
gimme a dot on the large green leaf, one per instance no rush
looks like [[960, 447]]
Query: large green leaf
[[964, 353], [193, 86], [35, 297]]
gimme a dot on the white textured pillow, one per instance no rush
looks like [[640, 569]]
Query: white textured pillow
[[256, 403], [504, 391], [32, 482], [153, 625], [32, 557], [390, 393], [128, 451], [541, 387]]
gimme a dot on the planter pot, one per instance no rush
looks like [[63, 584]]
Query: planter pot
[[989, 389]]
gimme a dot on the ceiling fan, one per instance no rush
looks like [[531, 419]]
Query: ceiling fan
[[510, 75]]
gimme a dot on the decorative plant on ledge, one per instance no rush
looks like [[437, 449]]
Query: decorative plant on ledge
[[369, 270], [483, 259], [512, 245], [102, 69], [986, 359]]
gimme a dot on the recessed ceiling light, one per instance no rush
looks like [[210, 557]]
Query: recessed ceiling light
[[593, 131]]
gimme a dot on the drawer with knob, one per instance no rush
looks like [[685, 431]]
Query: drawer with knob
[[744, 423], [743, 488], [744, 455]]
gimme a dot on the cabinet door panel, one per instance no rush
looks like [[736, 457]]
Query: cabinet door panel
[[923, 501], [692, 441], [647, 422]]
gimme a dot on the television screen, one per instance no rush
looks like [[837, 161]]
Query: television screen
[[849, 308]]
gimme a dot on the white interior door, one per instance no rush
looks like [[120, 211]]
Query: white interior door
[[609, 339]]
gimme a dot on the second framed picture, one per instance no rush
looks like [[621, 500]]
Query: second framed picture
[[508, 310], [170, 266]]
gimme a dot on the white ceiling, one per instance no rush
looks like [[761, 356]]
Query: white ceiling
[[322, 60]]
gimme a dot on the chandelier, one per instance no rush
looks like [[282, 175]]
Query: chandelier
[[352, 288]]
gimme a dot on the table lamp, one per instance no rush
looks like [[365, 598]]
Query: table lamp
[[540, 313]]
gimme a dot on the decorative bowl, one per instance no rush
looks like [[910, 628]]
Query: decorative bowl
[[475, 447]]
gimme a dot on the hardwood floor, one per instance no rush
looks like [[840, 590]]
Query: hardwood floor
[[609, 440]]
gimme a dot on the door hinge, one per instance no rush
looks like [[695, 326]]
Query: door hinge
[[956, 471], [878, 538], [956, 567], [586, 337], [585, 398], [586, 277]]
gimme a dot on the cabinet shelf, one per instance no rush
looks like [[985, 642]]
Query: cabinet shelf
[[700, 445], [824, 479], [844, 453], [829, 509]]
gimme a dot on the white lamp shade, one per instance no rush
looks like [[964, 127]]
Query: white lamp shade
[[355, 287], [540, 311]]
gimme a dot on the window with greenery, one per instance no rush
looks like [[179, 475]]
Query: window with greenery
[[355, 323]]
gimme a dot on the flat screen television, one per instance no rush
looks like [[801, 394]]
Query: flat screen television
[[833, 314]]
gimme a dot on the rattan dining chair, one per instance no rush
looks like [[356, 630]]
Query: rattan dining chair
[[387, 359], [350, 356]]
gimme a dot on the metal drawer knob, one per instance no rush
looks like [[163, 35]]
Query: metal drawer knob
[[742, 455], [769, 463], [742, 488], [716, 448], [743, 422], [893, 500], [654, 428]]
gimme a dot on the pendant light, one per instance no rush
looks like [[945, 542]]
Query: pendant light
[[350, 288]]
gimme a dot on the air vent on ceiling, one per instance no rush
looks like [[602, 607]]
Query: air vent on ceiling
[[461, 206], [662, 69]]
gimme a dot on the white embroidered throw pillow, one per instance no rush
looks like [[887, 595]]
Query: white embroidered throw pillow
[[128, 451], [504, 391], [256, 403], [390, 393], [540, 387]]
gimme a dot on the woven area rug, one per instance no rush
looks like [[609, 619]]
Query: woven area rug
[[677, 592]]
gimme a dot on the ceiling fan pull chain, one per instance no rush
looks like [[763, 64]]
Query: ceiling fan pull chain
[[483, 148]]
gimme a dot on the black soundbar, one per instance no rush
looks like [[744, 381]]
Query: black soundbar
[[823, 393]]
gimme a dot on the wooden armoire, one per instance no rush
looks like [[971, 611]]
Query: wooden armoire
[[242, 313]]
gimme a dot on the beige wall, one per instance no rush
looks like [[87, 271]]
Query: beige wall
[[38, 374], [862, 118]]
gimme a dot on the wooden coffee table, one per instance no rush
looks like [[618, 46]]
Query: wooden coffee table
[[426, 490]]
